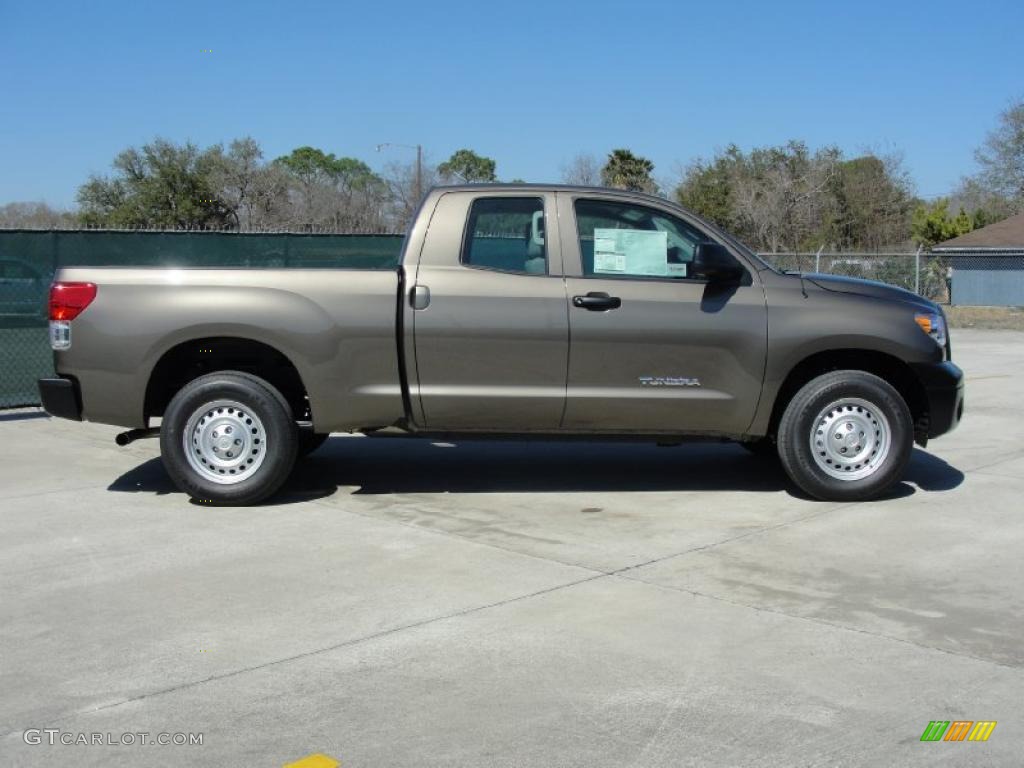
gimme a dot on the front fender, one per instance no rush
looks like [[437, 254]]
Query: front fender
[[808, 320]]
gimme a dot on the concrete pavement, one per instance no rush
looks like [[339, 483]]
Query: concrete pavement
[[408, 603]]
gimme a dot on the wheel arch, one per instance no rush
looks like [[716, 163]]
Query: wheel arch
[[188, 360], [887, 367]]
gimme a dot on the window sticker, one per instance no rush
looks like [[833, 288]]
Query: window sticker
[[632, 252]]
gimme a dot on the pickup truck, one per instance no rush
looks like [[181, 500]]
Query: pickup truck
[[532, 311]]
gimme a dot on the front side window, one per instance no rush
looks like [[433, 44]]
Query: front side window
[[506, 234], [624, 240]]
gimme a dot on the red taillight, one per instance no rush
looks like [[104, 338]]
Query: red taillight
[[68, 300]]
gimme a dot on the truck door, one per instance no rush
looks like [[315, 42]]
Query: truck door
[[489, 314], [655, 349]]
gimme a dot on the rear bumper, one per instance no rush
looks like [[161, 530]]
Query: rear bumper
[[61, 398], [944, 387]]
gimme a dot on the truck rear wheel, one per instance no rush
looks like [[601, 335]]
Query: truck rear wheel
[[228, 438], [846, 436]]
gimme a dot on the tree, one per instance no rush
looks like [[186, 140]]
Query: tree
[[362, 197], [870, 204], [467, 166], [982, 204], [707, 186], [779, 199], [341, 194], [624, 170], [996, 191], [165, 185], [311, 170], [404, 191], [583, 170], [932, 224], [790, 198], [31, 215], [161, 185], [254, 193], [1001, 157]]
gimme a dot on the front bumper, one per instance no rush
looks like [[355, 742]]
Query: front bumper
[[61, 398], [944, 388]]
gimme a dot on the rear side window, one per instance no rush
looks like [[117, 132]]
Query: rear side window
[[506, 234]]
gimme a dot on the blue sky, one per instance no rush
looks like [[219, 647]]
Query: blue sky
[[528, 83]]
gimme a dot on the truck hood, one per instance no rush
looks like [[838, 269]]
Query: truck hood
[[872, 288]]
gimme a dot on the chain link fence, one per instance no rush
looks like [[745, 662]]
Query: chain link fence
[[991, 277], [29, 258], [915, 271]]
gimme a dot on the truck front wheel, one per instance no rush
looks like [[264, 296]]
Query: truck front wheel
[[228, 438], [846, 436]]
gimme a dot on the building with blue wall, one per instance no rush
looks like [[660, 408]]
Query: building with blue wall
[[987, 265]]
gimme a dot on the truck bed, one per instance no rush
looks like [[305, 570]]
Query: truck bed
[[344, 321]]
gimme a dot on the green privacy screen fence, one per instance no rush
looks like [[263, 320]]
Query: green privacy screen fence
[[29, 258]]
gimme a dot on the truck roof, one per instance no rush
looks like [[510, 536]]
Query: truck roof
[[530, 187]]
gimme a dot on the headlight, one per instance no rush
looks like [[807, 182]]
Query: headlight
[[934, 324]]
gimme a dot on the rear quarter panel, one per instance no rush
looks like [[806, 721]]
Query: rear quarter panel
[[336, 326]]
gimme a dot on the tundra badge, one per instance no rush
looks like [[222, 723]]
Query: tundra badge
[[668, 381]]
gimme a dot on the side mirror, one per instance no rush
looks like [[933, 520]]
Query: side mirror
[[714, 263]]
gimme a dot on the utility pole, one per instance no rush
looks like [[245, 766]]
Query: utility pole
[[419, 164], [419, 172]]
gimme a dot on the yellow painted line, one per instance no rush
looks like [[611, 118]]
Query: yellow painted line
[[317, 760]]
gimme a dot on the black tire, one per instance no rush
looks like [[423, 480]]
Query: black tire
[[277, 451], [764, 448], [310, 441], [815, 399]]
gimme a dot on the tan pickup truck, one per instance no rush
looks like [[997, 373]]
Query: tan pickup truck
[[524, 310]]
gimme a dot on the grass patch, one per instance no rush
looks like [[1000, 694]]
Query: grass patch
[[995, 318]]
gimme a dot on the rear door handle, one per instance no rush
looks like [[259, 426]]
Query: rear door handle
[[419, 297], [597, 301]]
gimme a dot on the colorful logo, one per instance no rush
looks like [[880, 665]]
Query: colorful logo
[[958, 730]]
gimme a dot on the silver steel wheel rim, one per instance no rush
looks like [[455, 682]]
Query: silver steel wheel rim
[[225, 442], [850, 439]]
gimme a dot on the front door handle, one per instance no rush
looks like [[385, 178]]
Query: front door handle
[[597, 302]]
